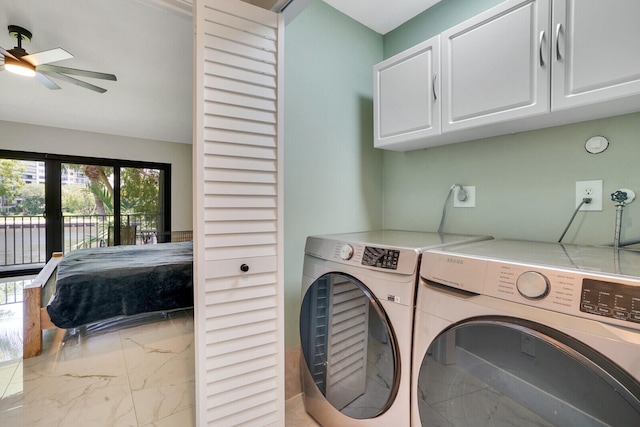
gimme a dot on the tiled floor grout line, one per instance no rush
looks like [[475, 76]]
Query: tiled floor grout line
[[6, 387], [126, 367]]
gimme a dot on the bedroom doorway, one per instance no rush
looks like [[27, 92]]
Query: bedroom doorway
[[52, 203]]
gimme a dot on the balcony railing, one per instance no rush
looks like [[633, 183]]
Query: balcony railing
[[22, 238], [11, 291]]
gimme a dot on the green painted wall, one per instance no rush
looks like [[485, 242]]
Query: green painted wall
[[525, 183], [336, 182], [332, 173], [432, 22]]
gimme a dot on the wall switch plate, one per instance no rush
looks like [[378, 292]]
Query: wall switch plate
[[471, 197], [592, 189]]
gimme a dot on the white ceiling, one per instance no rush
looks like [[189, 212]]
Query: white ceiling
[[148, 49], [382, 16], [147, 44]]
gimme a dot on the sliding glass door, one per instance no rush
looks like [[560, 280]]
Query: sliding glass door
[[140, 205], [22, 203], [51, 203]]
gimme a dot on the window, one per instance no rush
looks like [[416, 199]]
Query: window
[[77, 202]]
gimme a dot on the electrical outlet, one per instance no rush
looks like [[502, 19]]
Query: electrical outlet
[[592, 189], [470, 202]]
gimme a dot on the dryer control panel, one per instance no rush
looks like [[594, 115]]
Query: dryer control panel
[[373, 256], [381, 257]]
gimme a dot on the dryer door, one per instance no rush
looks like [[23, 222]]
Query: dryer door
[[348, 345], [505, 371]]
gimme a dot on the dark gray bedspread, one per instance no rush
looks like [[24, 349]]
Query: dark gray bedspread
[[103, 283]]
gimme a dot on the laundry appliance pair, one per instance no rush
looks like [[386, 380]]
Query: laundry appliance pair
[[504, 332]]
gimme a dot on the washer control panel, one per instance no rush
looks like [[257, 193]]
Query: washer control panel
[[589, 294], [571, 292], [556, 290], [610, 299]]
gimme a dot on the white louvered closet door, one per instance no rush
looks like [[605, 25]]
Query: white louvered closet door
[[238, 266]]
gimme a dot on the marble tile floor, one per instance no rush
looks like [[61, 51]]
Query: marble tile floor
[[140, 375], [295, 415]]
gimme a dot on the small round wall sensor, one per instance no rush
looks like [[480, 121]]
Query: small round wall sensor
[[596, 144]]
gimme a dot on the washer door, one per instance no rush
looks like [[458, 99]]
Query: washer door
[[349, 347], [504, 371]]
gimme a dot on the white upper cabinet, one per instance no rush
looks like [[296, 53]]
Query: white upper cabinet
[[495, 66], [406, 102], [595, 51], [522, 65]]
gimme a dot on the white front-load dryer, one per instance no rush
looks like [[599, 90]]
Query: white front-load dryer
[[511, 333], [356, 325]]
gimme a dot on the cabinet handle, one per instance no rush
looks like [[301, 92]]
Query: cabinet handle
[[244, 268], [541, 51], [433, 85], [558, 29]]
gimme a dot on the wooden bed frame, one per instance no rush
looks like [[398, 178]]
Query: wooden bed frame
[[36, 296]]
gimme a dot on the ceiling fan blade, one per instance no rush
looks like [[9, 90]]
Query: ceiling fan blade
[[74, 81], [6, 53], [47, 81], [47, 56], [76, 72]]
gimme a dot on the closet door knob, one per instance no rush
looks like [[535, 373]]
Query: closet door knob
[[244, 268]]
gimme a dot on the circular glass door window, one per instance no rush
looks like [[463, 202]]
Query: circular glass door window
[[499, 372], [348, 346]]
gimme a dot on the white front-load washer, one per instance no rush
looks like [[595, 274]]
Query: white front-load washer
[[512, 333], [356, 324]]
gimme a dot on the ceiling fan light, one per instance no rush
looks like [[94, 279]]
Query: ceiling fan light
[[22, 68]]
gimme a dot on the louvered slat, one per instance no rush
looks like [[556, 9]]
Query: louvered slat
[[222, 175], [240, 215], [234, 253], [240, 87]]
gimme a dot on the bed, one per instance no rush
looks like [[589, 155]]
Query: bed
[[93, 285]]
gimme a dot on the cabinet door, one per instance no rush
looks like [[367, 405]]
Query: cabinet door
[[595, 51], [495, 66], [406, 101]]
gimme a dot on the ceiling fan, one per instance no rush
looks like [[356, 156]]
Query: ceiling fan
[[37, 65]]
